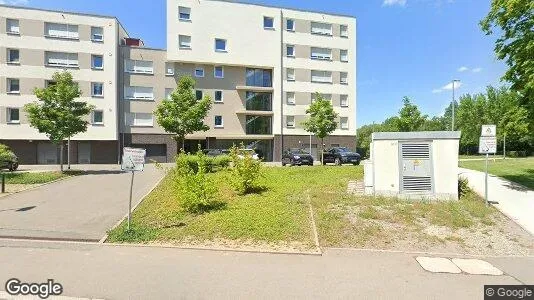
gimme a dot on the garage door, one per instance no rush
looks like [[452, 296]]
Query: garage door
[[154, 152], [47, 154]]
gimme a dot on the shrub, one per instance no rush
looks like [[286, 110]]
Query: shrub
[[517, 153], [6, 153], [211, 164], [463, 187], [221, 161], [246, 171], [196, 189]]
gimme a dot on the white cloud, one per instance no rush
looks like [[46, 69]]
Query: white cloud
[[477, 70], [394, 2], [14, 2], [437, 91], [448, 87], [463, 69]]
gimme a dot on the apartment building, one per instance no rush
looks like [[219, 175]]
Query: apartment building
[[34, 44], [260, 65]]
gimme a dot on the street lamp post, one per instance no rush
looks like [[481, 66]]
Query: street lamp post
[[453, 102]]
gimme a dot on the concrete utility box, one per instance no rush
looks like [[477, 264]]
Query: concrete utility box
[[414, 165]]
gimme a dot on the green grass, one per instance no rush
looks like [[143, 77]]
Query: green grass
[[479, 156], [520, 170], [277, 214], [36, 178]]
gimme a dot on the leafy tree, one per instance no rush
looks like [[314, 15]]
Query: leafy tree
[[322, 120], [410, 118], [57, 114], [515, 45], [183, 113]]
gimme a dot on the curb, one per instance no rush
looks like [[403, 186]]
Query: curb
[[313, 225], [447, 254], [105, 237], [38, 186]]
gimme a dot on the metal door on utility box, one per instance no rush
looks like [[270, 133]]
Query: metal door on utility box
[[415, 166]]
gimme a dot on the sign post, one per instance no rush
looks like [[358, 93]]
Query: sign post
[[487, 145], [133, 159]]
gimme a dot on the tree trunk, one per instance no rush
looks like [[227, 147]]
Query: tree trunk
[[68, 154], [61, 157], [322, 151]]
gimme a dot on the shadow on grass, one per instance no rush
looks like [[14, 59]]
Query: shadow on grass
[[212, 206], [521, 182]]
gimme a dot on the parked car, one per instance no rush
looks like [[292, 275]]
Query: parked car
[[216, 152], [8, 159], [252, 152], [296, 157], [341, 155]]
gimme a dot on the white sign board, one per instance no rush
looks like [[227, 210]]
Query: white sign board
[[487, 145], [133, 159], [489, 130]]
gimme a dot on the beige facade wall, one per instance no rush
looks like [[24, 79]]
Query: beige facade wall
[[32, 71]]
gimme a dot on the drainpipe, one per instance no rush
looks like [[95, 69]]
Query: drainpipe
[[281, 83]]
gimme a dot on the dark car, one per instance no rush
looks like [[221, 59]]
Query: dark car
[[8, 159], [341, 155], [296, 157], [215, 152]]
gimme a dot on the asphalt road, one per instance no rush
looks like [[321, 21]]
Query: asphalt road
[[78, 208], [124, 272]]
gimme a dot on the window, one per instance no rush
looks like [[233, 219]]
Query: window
[[13, 86], [290, 25], [12, 26], [290, 121], [327, 97], [290, 75], [344, 31], [321, 53], [344, 101], [321, 28], [97, 117], [139, 119], [258, 125], [138, 93], [321, 76], [344, 55], [343, 78], [97, 34], [97, 62], [63, 31], [218, 122], [184, 13], [198, 94], [290, 98], [290, 49], [169, 69], [13, 115], [259, 77], [184, 42], [97, 89], [138, 66], [220, 45], [168, 93], [62, 59], [13, 56], [218, 96], [268, 22], [258, 101], [199, 72], [344, 122], [218, 72]]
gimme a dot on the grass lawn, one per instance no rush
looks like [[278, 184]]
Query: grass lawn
[[36, 178], [479, 156], [279, 214], [520, 170]]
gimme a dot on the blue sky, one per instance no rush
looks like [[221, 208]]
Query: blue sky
[[408, 48]]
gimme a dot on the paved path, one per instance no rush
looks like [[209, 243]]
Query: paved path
[[515, 201], [77, 208], [124, 272]]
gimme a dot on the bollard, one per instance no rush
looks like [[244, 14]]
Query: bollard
[[3, 182]]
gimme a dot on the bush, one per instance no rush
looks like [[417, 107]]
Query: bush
[[221, 161], [196, 189], [211, 164], [463, 187], [246, 171], [517, 153], [6, 153]]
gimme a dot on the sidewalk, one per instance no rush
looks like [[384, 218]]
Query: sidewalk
[[515, 201]]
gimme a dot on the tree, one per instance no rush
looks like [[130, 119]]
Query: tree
[[410, 118], [183, 113], [322, 120], [57, 114], [515, 19]]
